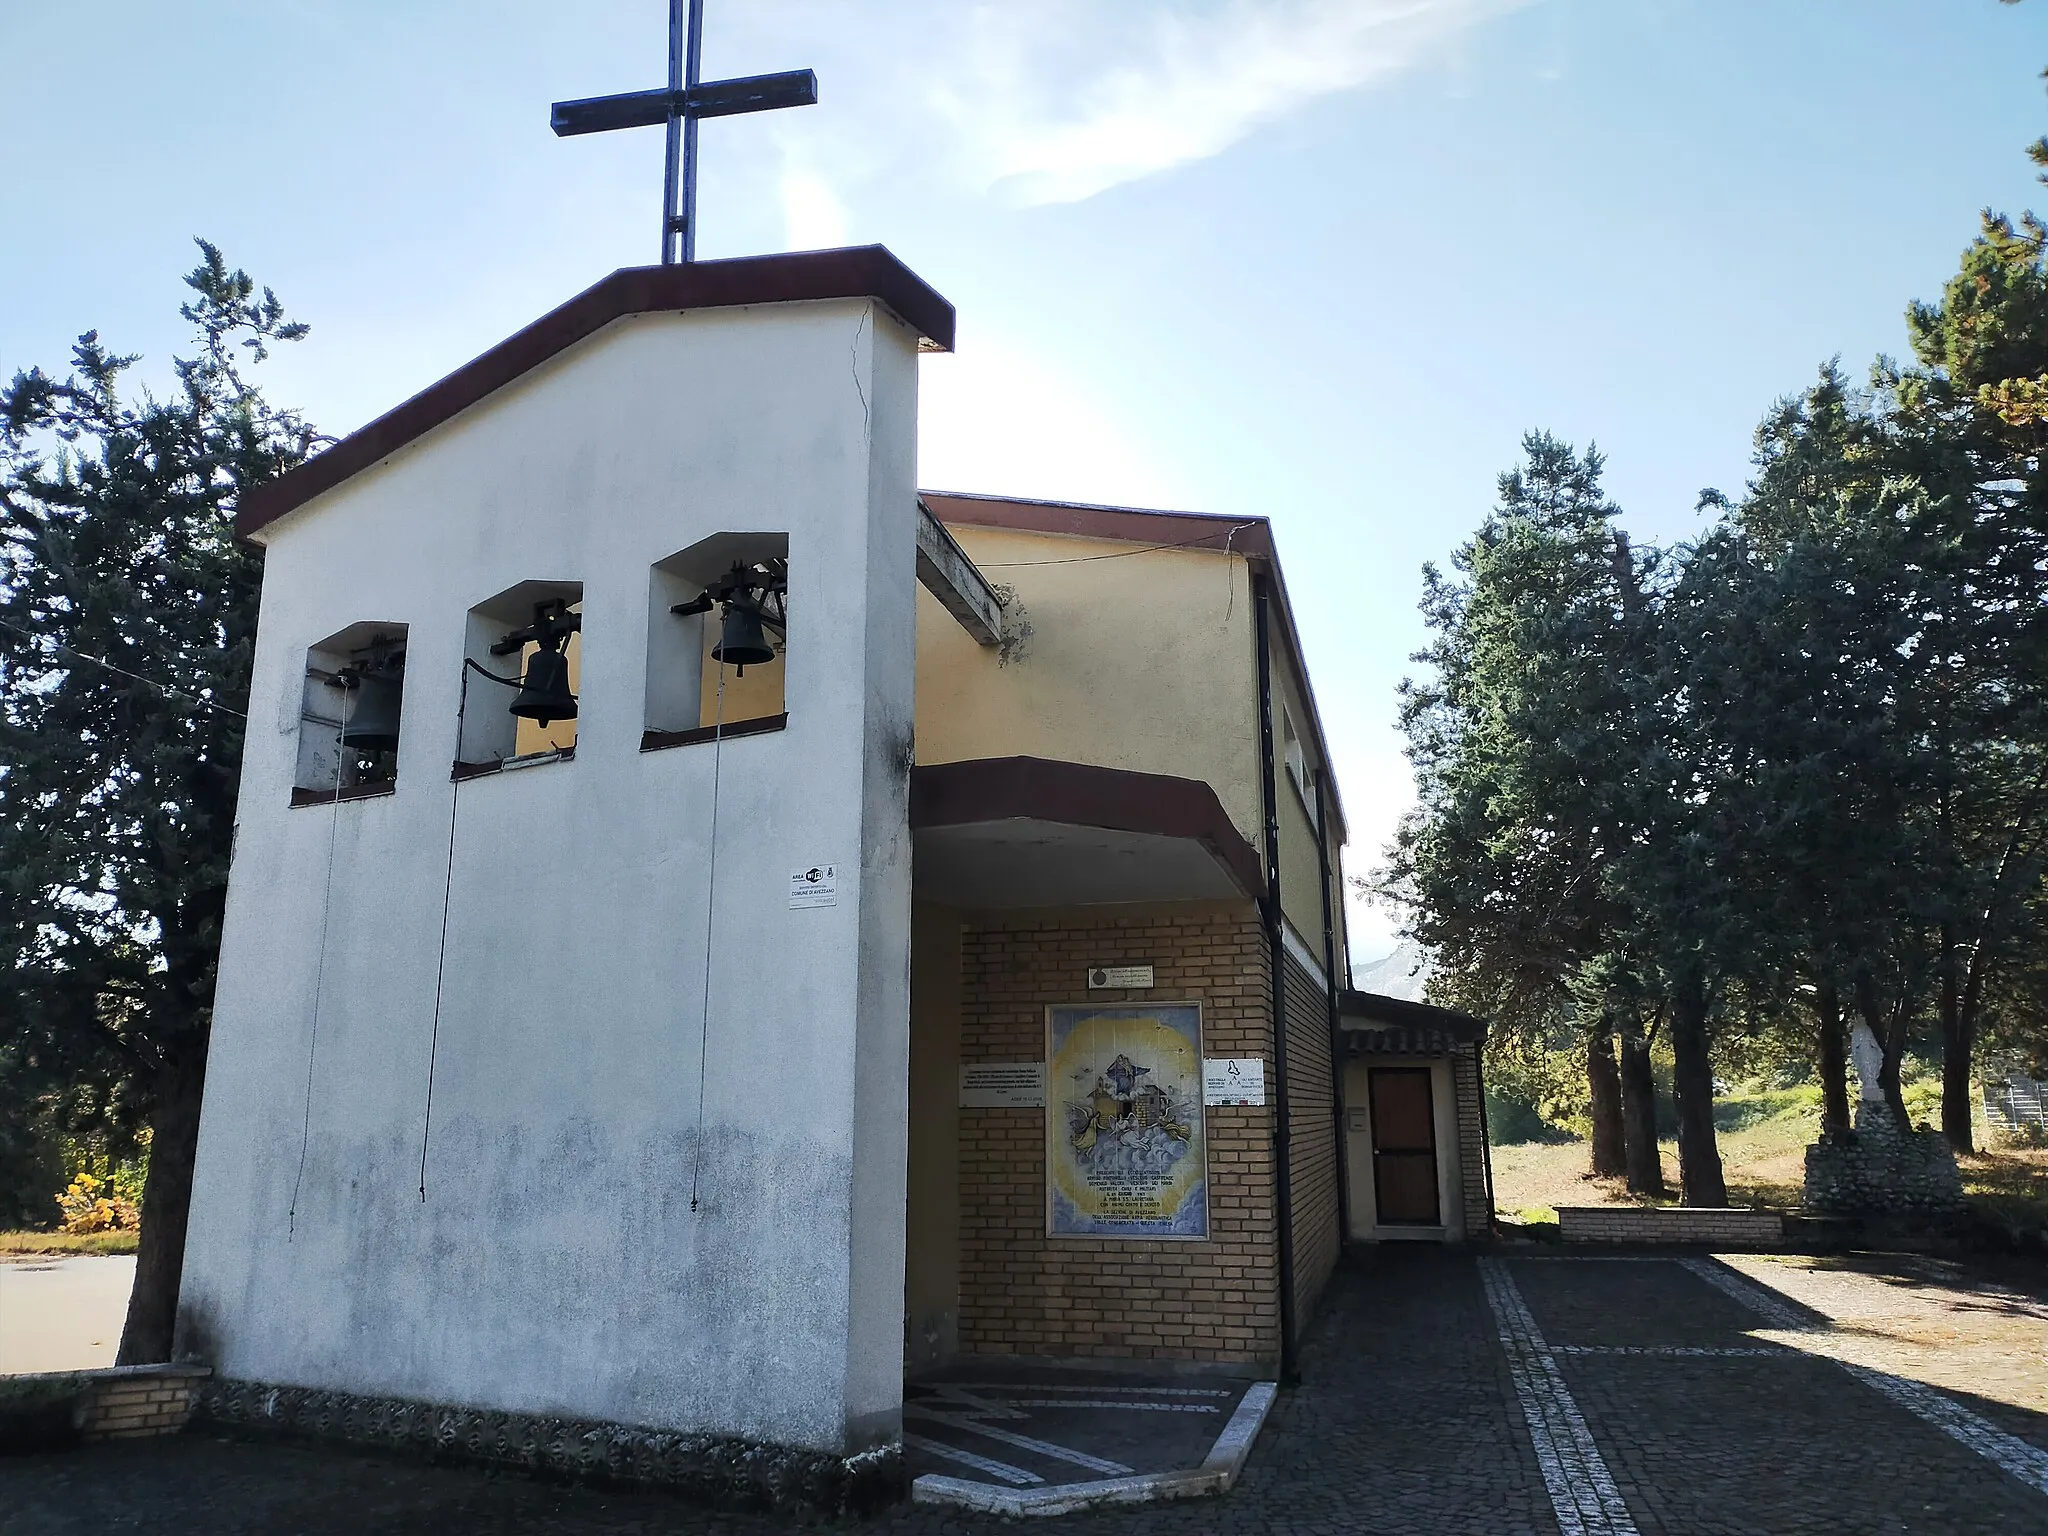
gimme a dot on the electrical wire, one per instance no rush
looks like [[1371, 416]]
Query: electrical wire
[[291, 1217], [710, 910], [447, 892], [1120, 554], [100, 661]]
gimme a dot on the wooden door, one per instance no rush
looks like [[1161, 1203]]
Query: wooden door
[[1404, 1148]]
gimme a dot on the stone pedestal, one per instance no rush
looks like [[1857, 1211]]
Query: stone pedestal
[[1882, 1168]]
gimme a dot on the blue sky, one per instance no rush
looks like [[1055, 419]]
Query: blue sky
[[1321, 260]]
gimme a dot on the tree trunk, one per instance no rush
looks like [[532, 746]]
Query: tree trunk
[[166, 1202], [1699, 1157], [1958, 1087], [1639, 1114], [1956, 1042], [1610, 1160], [1834, 1061]]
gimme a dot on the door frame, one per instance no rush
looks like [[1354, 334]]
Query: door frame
[[1377, 1070], [1358, 1159]]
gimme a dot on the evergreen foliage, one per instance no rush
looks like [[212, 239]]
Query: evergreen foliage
[[1787, 777], [127, 627]]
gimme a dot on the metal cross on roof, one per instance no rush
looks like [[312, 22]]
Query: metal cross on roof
[[685, 99]]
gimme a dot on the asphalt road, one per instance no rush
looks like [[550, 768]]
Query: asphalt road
[[62, 1314]]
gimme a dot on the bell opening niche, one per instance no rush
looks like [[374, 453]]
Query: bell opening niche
[[717, 633], [349, 715], [522, 676]]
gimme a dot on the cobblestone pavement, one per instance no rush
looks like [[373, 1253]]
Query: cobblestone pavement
[[1715, 1416], [1965, 1332], [1700, 1397], [1026, 1426]]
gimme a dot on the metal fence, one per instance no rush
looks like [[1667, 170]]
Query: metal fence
[[2014, 1103]]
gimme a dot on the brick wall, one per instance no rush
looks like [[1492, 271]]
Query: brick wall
[[1312, 1136], [155, 1400], [1022, 1292], [120, 1402], [1670, 1224], [1471, 1117]]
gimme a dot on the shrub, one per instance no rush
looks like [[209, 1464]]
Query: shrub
[[1512, 1119], [94, 1204]]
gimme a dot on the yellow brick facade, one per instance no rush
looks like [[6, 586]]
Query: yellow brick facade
[[1023, 1292]]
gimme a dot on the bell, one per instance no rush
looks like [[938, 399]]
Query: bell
[[545, 694], [373, 712], [740, 640]]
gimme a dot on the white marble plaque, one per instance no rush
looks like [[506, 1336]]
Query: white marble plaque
[[1003, 1085], [1234, 1080], [1119, 976]]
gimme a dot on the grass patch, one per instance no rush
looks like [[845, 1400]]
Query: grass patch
[[1763, 1137], [2008, 1184], [1740, 1111], [33, 1244]]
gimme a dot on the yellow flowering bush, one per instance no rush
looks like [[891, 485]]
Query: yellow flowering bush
[[94, 1204]]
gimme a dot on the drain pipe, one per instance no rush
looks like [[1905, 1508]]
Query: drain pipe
[[1283, 1174], [1338, 1151]]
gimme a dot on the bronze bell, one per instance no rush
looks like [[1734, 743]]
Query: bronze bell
[[373, 711], [545, 695], [741, 642]]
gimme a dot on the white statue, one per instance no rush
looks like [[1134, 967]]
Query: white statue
[[1868, 1056]]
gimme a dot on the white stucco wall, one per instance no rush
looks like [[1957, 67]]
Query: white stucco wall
[[555, 1265]]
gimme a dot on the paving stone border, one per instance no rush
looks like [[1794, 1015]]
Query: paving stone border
[[1218, 1471], [711, 1469]]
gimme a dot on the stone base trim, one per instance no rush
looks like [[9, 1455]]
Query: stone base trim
[[1724, 1226], [711, 1469], [125, 1402], [1217, 1474]]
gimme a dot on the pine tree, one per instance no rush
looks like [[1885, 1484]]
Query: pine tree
[[1503, 866], [1969, 425], [127, 626]]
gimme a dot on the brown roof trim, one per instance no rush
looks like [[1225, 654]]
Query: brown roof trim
[[1251, 537], [1082, 795], [857, 272]]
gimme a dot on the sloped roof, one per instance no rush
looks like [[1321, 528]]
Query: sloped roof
[[865, 271], [1371, 1021]]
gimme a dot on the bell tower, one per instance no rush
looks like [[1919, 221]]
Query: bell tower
[[535, 1089]]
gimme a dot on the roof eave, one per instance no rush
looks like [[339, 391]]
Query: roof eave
[[865, 271]]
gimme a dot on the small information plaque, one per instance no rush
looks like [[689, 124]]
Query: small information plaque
[[817, 886], [1003, 1085], [1234, 1080], [1119, 976]]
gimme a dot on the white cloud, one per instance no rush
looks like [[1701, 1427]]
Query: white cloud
[[1060, 109], [1060, 100]]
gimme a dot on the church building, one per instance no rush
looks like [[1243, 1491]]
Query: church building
[[716, 932]]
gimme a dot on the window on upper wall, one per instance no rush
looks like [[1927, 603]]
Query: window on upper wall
[[349, 715], [523, 666], [717, 631], [1296, 757]]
